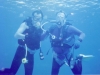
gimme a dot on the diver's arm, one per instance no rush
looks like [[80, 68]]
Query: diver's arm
[[77, 32], [19, 33]]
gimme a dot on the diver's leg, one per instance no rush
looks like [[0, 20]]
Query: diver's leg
[[17, 60], [77, 69], [15, 63], [55, 67], [29, 66]]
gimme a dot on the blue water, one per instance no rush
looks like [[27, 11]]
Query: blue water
[[86, 17]]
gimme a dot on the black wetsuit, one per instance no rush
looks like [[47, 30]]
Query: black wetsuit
[[32, 40]]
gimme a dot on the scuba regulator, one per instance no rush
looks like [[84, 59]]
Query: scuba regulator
[[41, 55], [58, 23], [24, 60]]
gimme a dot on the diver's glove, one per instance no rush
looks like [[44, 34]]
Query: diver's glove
[[77, 44]]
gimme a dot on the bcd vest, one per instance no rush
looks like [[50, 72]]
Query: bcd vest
[[62, 37], [32, 40]]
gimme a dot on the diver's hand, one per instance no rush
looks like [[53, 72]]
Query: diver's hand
[[77, 44]]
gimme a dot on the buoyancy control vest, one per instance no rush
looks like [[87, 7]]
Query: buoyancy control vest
[[32, 40], [62, 36]]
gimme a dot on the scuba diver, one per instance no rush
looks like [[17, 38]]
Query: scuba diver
[[63, 41], [29, 35]]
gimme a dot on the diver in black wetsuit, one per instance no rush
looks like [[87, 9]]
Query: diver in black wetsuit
[[29, 35], [62, 41]]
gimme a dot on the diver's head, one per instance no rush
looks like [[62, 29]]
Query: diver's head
[[61, 18], [37, 17]]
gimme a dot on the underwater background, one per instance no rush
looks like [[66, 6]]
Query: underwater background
[[86, 17]]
